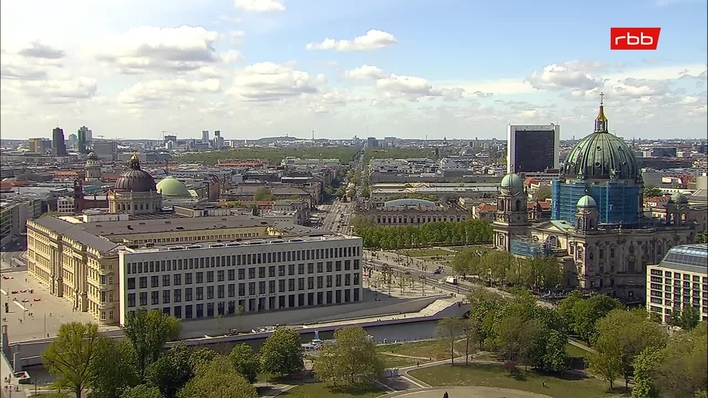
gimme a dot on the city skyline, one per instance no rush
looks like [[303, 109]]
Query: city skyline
[[381, 68]]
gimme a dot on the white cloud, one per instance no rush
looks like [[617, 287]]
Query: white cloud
[[268, 81], [144, 49], [409, 88], [372, 40], [260, 5], [366, 72], [164, 90]]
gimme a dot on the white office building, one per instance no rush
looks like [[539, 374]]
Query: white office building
[[679, 280], [207, 280]]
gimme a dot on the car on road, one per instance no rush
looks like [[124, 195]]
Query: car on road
[[437, 271]]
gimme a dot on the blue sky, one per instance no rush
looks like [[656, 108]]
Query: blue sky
[[450, 67]]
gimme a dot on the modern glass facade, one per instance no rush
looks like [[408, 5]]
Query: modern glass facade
[[524, 248], [617, 201]]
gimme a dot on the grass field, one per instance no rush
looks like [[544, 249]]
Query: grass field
[[435, 349], [398, 362], [497, 376], [317, 390]]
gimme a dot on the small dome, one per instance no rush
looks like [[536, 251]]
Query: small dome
[[586, 202], [92, 156], [512, 183], [170, 186], [679, 198], [135, 179]]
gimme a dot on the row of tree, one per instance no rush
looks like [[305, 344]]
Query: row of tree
[[83, 359], [273, 156], [467, 232], [504, 267]]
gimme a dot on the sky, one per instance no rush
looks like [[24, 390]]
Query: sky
[[460, 69]]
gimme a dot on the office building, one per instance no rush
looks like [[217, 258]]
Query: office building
[[106, 150], [597, 227], [84, 139], [192, 268], [40, 145], [678, 281], [58, 144], [532, 148], [205, 135]]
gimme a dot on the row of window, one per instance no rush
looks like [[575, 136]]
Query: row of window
[[677, 284], [678, 275], [230, 274], [232, 307], [230, 290], [241, 259]]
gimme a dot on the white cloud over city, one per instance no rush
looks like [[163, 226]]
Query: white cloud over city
[[135, 81]]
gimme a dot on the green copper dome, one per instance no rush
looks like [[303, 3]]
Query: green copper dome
[[170, 186], [512, 183], [586, 202], [601, 156]]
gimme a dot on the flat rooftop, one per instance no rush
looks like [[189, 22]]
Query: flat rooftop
[[97, 234]]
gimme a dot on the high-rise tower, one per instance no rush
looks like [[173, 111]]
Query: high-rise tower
[[58, 145]]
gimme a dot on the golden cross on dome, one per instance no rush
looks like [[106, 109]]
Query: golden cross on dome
[[134, 158], [602, 98]]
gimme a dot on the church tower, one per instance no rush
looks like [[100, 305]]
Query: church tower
[[511, 217], [93, 168]]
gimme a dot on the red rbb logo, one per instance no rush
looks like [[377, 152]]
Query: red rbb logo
[[634, 38]]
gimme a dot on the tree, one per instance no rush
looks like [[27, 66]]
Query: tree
[[217, 379], [72, 355], [245, 362], [281, 353], [625, 334], [115, 370], [147, 332], [351, 361], [142, 391], [449, 329], [543, 192], [702, 237], [587, 312], [263, 193], [645, 366], [566, 308], [686, 319], [652, 191], [607, 364], [201, 356], [171, 371], [471, 333], [684, 369]]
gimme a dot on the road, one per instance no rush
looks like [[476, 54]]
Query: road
[[339, 216]]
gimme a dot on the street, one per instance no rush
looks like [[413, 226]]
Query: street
[[338, 217]]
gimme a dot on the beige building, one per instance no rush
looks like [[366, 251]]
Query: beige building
[[679, 280], [80, 261], [401, 212]]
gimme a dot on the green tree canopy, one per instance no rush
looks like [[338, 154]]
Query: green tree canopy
[[281, 354], [72, 356], [115, 370], [652, 191], [218, 379], [171, 371], [147, 332], [587, 312], [142, 391], [683, 369], [263, 193], [351, 361], [686, 319], [542, 193], [466, 232], [449, 330], [245, 361]]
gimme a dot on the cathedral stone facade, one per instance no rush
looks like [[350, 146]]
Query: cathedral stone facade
[[597, 227]]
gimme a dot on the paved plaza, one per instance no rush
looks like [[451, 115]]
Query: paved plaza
[[33, 312], [466, 392]]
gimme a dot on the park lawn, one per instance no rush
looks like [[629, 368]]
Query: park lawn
[[52, 395], [316, 390], [576, 352], [435, 349], [497, 376], [391, 361]]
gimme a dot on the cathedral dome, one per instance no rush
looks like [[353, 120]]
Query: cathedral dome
[[135, 179], [512, 183], [601, 156], [586, 202], [170, 186]]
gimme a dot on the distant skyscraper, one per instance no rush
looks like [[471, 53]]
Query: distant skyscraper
[[205, 135], [84, 139], [532, 148], [58, 145], [39, 145]]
